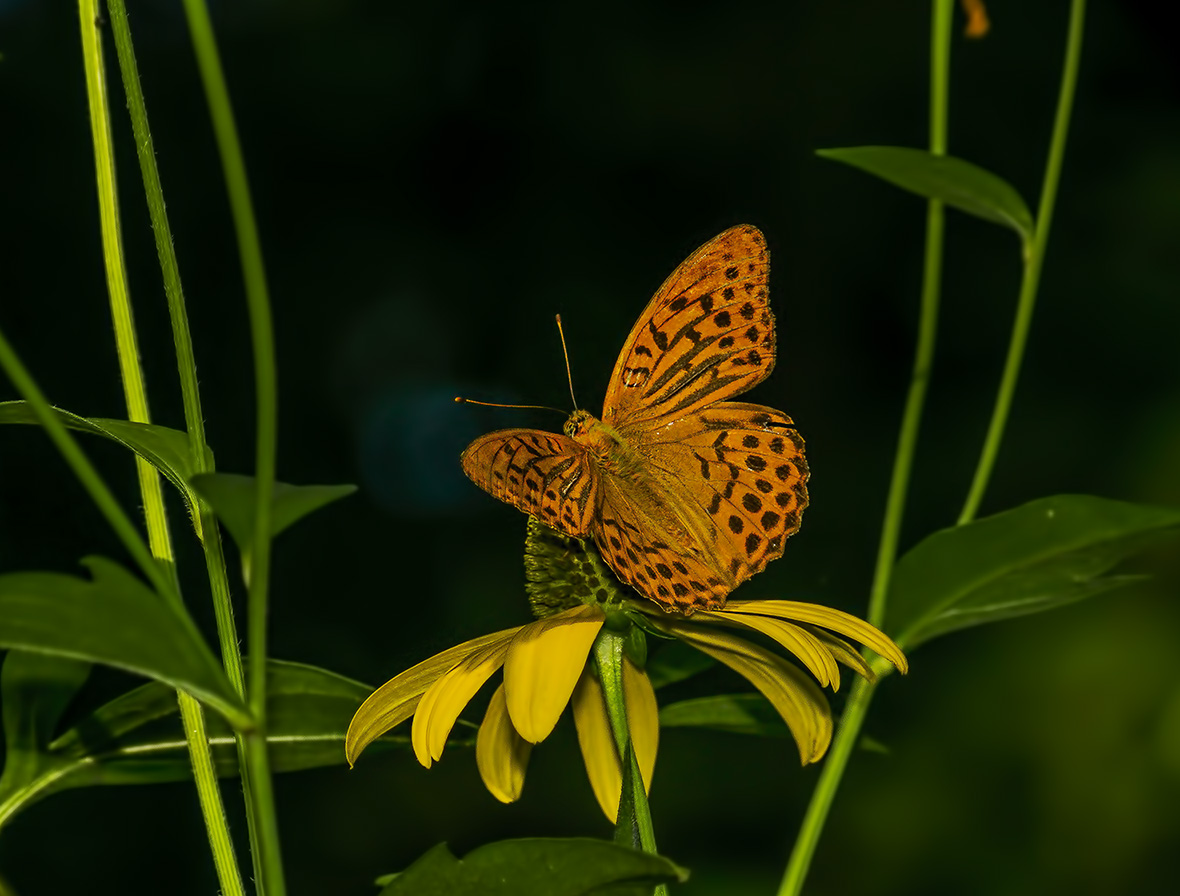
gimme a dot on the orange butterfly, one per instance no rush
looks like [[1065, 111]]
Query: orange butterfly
[[685, 494]]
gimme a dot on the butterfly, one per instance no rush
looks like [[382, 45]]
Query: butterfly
[[685, 493]]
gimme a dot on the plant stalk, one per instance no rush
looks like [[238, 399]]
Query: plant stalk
[[608, 655], [268, 858], [861, 695], [204, 520], [1034, 260], [135, 392]]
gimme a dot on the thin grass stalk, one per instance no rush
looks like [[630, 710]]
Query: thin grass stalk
[[159, 538], [856, 709], [205, 521], [1034, 261], [268, 859]]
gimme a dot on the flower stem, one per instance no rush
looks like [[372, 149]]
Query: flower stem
[[1034, 259], [609, 656], [857, 706], [205, 521], [268, 859], [159, 538]]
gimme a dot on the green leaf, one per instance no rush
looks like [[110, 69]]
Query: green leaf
[[117, 620], [1041, 555], [736, 713], [165, 449], [675, 661], [137, 738], [535, 867], [35, 690], [954, 181], [232, 498]]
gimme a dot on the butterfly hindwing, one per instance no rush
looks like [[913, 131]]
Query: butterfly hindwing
[[707, 334], [655, 563], [544, 474], [744, 465]]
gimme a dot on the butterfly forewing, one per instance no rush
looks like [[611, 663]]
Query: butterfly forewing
[[744, 465], [544, 474], [706, 335]]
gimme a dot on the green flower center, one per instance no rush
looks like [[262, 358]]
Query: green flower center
[[562, 571]]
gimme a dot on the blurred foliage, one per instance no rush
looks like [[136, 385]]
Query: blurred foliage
[[434, 182]]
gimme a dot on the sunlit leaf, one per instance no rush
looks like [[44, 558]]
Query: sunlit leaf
[[232, 498], [954, 181], [116, 620], [535, 867], [736, 713], [1041, 555]]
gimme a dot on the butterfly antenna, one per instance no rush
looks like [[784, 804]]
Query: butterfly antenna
[[488, 404], [564, 351]]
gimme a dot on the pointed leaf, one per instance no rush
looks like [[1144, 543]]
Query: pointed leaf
[[1041, 555], [117, 620], [954, 181], [535, 867], [736, 713], [35, 690], [232, 498], [165, 449], [137, 738]]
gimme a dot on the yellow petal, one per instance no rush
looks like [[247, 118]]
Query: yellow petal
[[803, 644], [501, 754], [836, 620], [844, 652], [598, 745], [544, 662], [796, 697], [643, 717], [395, 701], [599, 752], [446, 698]]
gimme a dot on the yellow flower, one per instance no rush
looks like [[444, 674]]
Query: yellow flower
[[547, 664]]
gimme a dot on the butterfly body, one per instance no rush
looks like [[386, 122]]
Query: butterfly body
[[685, 494]]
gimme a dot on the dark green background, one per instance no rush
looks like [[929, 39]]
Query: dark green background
[[433, 182]]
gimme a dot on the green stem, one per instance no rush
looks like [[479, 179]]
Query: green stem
[[862, 693], [608, 655], [205, 521], [825, 789], [268, 861], [135, 391], [1034, 259]]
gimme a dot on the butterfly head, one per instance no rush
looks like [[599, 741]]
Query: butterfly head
[[578, 424]]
